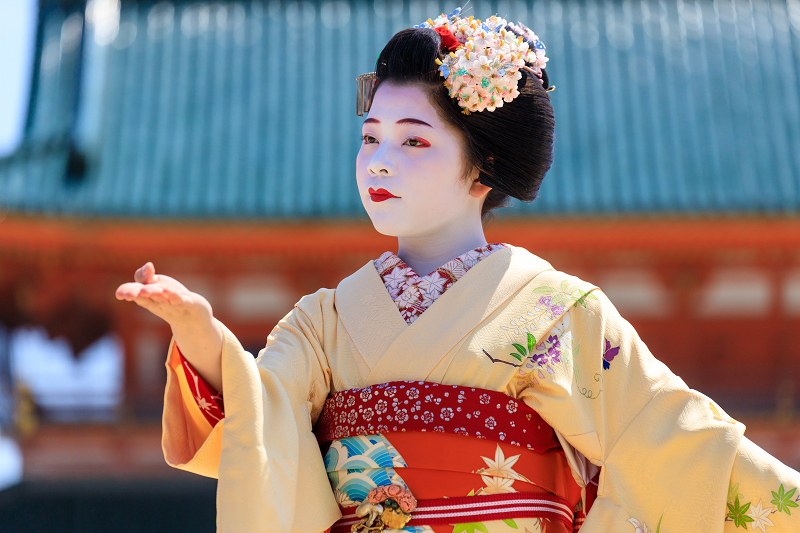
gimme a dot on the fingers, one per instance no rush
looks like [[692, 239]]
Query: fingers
[[132, 291], [149, 297], [146, 274], [152, 291], [149, 294], [173, 297], [128, 291]]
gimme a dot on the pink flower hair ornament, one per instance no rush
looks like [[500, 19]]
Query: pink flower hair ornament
[[484, 59]]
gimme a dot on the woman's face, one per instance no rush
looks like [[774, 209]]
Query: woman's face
[[410, 167]]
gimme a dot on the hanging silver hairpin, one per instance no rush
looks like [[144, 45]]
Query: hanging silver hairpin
[[364, 96]]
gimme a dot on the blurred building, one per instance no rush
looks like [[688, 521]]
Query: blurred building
[[218, 140]]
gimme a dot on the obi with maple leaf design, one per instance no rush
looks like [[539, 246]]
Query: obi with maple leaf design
[[444, 442]]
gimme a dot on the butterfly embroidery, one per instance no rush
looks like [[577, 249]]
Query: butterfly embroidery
[[609, 354]]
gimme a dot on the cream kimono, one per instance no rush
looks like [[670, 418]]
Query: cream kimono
[[672, 460]]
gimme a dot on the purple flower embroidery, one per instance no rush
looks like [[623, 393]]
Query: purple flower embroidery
[[555, 310], [609, 354], [555, 350], [549, 354], [539, 358]]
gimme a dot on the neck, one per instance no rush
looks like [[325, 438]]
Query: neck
[[424, 254]]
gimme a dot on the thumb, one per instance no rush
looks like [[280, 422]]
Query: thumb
[[146, 274]]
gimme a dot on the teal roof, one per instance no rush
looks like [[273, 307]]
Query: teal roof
[[232, 110]]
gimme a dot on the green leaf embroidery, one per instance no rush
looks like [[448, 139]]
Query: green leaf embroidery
[[576, 349], [544, 290], [520, 348], [531, 343], [471, 528], [783, 500], [516, 356], [582, 299], [585, 296], [559, 299], [737, 513], [658, 527], [564, 286], [733, 491], [510, 523]]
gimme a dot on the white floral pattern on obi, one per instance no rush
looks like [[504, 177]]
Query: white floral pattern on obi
[[413, 293]]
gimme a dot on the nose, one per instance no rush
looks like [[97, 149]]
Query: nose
[[381, 163]]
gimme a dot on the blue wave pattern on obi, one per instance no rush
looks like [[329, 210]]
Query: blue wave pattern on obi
[[356, 465]]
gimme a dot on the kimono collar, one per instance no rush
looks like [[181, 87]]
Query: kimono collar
[[394, 350], [412, 293]]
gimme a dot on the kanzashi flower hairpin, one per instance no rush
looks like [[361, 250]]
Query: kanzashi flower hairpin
[[484, 58]]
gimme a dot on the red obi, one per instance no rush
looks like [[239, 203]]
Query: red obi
[[466, 454]]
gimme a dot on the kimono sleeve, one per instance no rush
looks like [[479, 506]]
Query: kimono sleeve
[[667, 453], [189, 441], [269, 466]]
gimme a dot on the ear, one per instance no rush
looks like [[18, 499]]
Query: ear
[[478, 189]]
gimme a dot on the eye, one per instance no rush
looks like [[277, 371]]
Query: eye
[[368, 139], [422, 143]]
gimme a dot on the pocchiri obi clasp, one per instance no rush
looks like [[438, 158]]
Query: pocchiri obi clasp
[[386, 509]]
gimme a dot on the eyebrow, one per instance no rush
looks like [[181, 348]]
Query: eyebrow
[[401, 121]]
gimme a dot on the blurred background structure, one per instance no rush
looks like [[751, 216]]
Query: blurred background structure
[[218, 140]]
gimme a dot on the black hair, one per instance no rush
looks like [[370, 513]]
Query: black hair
[[512, 146]]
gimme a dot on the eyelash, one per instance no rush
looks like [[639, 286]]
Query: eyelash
[[422, 144]]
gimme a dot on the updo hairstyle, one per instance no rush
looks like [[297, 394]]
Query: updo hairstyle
[[512, 146]]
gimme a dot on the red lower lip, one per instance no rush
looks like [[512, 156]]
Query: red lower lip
[[379, 197]]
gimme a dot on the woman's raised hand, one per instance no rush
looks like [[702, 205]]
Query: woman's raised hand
[[165, 297], [197, 334]]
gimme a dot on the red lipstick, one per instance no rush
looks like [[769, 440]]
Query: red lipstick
[[380, 195]]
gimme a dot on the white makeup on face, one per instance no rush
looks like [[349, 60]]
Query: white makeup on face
[[410, 153], [410, 178]]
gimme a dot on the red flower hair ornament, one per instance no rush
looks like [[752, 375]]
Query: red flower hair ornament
[[449, 41]]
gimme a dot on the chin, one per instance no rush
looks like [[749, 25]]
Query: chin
[[387, 229], [387, 226]]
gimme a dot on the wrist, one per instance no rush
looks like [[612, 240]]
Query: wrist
[[198, 322]]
